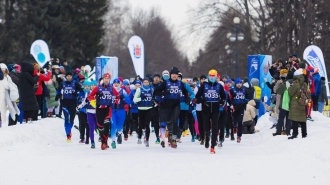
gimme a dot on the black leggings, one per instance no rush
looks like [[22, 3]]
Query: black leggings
[[127, 123], [214, 117], [83, 126], [185, 114], [295, 128], [229, 123], [238, 121], [145, 118], [155, 121], [222, 122], [135, 122], [172, 117], [103, 124]]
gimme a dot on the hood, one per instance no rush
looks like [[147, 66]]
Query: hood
[[247, 85], [300, 78], [252, 103], [255, 82], [27, 67]]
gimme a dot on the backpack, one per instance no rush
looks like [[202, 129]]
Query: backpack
[[305, 95], [13, 91]]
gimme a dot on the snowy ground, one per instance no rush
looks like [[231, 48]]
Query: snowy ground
[[38, 154]]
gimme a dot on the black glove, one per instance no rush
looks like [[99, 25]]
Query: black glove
[[187, 100], [199, 100], [121, 97], [222, 102], [142, 96], [86, 100], [166, 92], [57, 97], [326, 104], [100, 94]]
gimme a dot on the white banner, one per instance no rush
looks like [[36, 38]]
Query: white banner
[[314, 56], [136, 49], [39, 50]]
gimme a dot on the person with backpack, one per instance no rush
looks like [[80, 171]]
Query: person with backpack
[[299, 97], [3, 88]]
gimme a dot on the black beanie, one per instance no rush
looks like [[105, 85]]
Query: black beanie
[[322, 78], [156, 75], [246, 80], [68, 73], [202, 76], [174, 70]]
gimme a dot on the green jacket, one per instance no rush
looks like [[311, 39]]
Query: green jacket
[[52, 94], [280, 91], [297, 112]]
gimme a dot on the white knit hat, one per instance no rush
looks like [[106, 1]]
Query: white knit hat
[[3, 66], [298, 72]]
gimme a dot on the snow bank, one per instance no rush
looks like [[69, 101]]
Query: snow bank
[[38, 154]]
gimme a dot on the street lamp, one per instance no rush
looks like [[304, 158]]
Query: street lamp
[[236, 36]]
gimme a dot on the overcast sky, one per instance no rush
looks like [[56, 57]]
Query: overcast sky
[[175, 11]]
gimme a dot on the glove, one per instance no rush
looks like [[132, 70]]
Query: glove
[[326, 103], [57, 97], [142, 96], [100, 94], [222, 102], [86, 100], [166, 92], [194, 101], [121, 97], [187, 101]]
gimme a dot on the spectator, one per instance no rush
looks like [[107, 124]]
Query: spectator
[[26, 91], [86, 71], [14, 70], [51, 103], [66, 66], [323, 96], [249, 115], [249, 88], [3, 88], [39, 92], [57, 62], [317, 86], [297, 113]]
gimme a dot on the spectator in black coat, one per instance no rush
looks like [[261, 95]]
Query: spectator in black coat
[[26, 90]]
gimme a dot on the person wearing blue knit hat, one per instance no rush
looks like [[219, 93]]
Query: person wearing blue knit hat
[[239, 101], [137, 82]]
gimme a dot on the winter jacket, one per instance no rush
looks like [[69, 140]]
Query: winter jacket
[[42, 78], [297, 112], [134, 106], [250, 90], [67, 68], [323, 96], [311, 84], [3, 104], [52, 94], [281, 87], [184, 105], [271, 109], [14, 78], [278, 97], [1, 75], [250, 111], [317, 84], [274, 72], [26, 90]]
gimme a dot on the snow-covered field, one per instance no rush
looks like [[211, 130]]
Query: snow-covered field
[[38, 154]]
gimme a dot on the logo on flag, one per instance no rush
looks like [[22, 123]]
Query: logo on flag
[[137, 51]]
